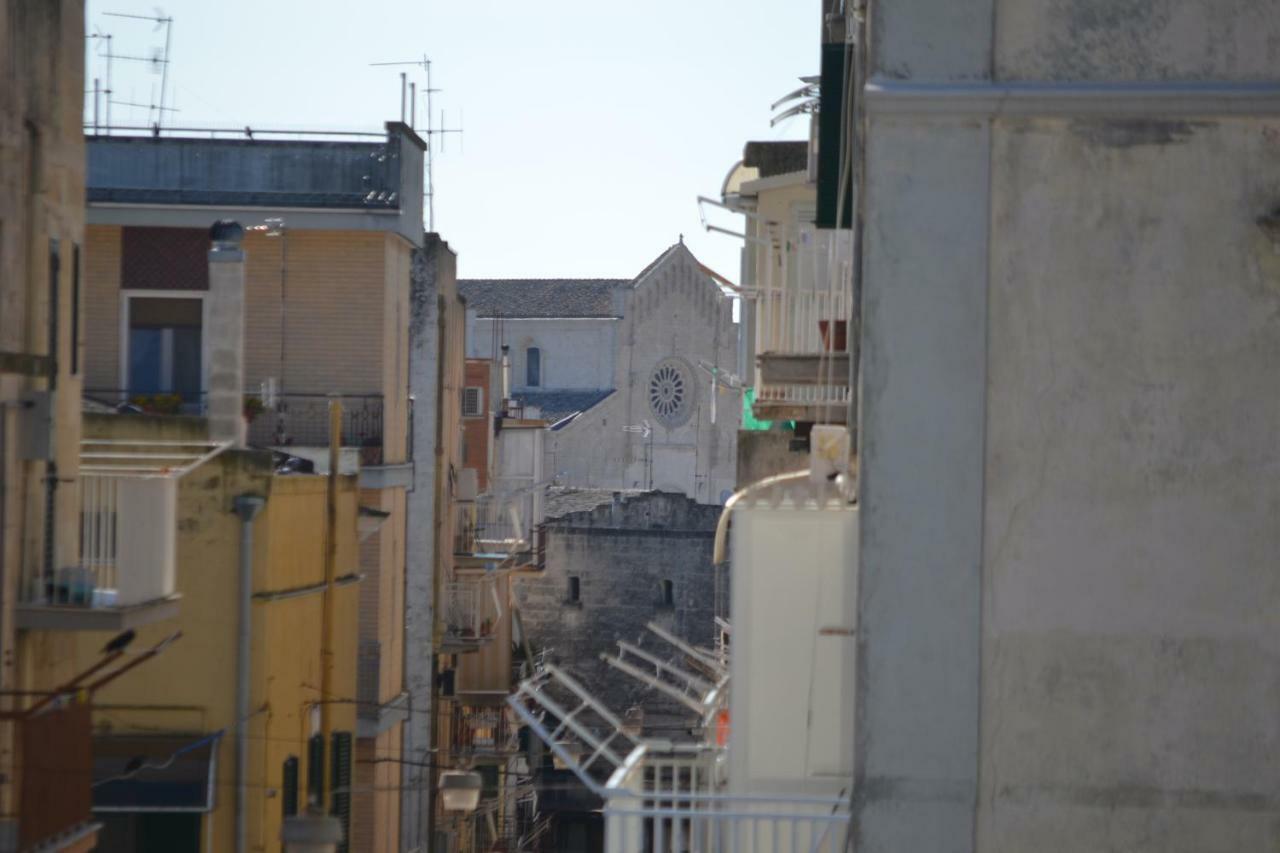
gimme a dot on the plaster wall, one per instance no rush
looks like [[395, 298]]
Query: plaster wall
[[576, 354]]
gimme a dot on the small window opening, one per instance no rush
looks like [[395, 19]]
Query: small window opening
[[668, 593], [533, 367], [575, 589]]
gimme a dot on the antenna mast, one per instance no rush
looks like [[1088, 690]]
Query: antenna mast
[[430, 132]]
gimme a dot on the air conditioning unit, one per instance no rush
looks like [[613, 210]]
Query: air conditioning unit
[[468, 484]]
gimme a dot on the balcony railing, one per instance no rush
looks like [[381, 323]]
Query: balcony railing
[[497, 526], [282, 420], [127, 545], [302, 420], [481, 730], [804, 300], [470, 614]]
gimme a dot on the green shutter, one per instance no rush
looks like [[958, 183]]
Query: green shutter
[[315, 770], [290, 786], [833, 123], [341, 775]]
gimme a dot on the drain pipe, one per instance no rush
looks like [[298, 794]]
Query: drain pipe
[[247, 507]]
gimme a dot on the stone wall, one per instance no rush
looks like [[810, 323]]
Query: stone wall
[[621, 552]]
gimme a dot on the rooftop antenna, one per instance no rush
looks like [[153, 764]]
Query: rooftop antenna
[[104, 41], [430, 131], [159, 60]]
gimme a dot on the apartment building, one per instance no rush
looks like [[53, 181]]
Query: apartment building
[[331, 228], [168, 771]]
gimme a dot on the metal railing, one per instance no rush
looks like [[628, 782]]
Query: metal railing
[[481, 730], [127, 545], [284, 420], [497, 525], [804, 297], [471, 610], [302, 420]]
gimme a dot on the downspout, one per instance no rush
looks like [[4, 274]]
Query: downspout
[[246, 506]]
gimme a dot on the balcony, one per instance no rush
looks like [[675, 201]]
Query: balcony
[[499, 530], [803, 304], [124, 574], [479, 731], [297, 423], [471, 613]]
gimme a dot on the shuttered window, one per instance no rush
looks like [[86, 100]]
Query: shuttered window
[[289, 785], [341, 776]]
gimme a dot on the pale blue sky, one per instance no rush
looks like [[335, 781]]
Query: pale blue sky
[[590, 128]]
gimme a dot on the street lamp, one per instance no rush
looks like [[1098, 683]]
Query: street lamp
[[311, 833], [460, 790]]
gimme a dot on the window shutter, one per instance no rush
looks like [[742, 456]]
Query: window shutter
[[341, 776], [315, 769], [289, 786]]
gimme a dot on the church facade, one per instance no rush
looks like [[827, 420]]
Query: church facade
[[627, 372]]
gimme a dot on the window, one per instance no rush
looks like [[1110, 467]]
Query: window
[[668, 591], [671, 392], [473, 402], [575, 589], [533, 367], [165, 347]]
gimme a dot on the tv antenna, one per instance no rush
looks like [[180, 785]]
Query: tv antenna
[[159, 62], [430, 131]]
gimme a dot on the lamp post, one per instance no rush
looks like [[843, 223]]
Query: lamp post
[[460, 790], [311, 833]]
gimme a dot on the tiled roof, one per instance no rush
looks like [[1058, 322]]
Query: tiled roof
[[540, 297], [776, 157], [563, 500], [555, 406]]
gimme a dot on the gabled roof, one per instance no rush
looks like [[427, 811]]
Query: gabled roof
[[557, 407], [540, 297]]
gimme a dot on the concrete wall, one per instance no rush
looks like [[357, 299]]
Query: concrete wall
[[1067, 442], [621, 552], [576, 353], [436, 376], [674, 310]]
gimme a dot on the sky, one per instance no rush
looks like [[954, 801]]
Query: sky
[[589, 127]]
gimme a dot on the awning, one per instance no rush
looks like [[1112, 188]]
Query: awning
[[155, 773]]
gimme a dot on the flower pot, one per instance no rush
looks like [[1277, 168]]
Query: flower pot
[[834, 340]]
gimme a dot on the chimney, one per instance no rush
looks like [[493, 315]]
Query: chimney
[[226, 333]]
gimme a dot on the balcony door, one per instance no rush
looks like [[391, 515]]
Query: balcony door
[[163, 348]]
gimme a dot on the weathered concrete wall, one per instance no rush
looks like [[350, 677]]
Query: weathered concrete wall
[[1153, 40], [621, 552], [764, 453], [436, 443], [1131, 655], [1069, 449]]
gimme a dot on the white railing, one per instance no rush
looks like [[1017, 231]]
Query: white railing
[[804, 295], [721, 823], [461, 610], [127, 545], [673, 799], [497, 525]]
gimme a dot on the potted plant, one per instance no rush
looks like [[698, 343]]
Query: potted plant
[[253, 406]]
